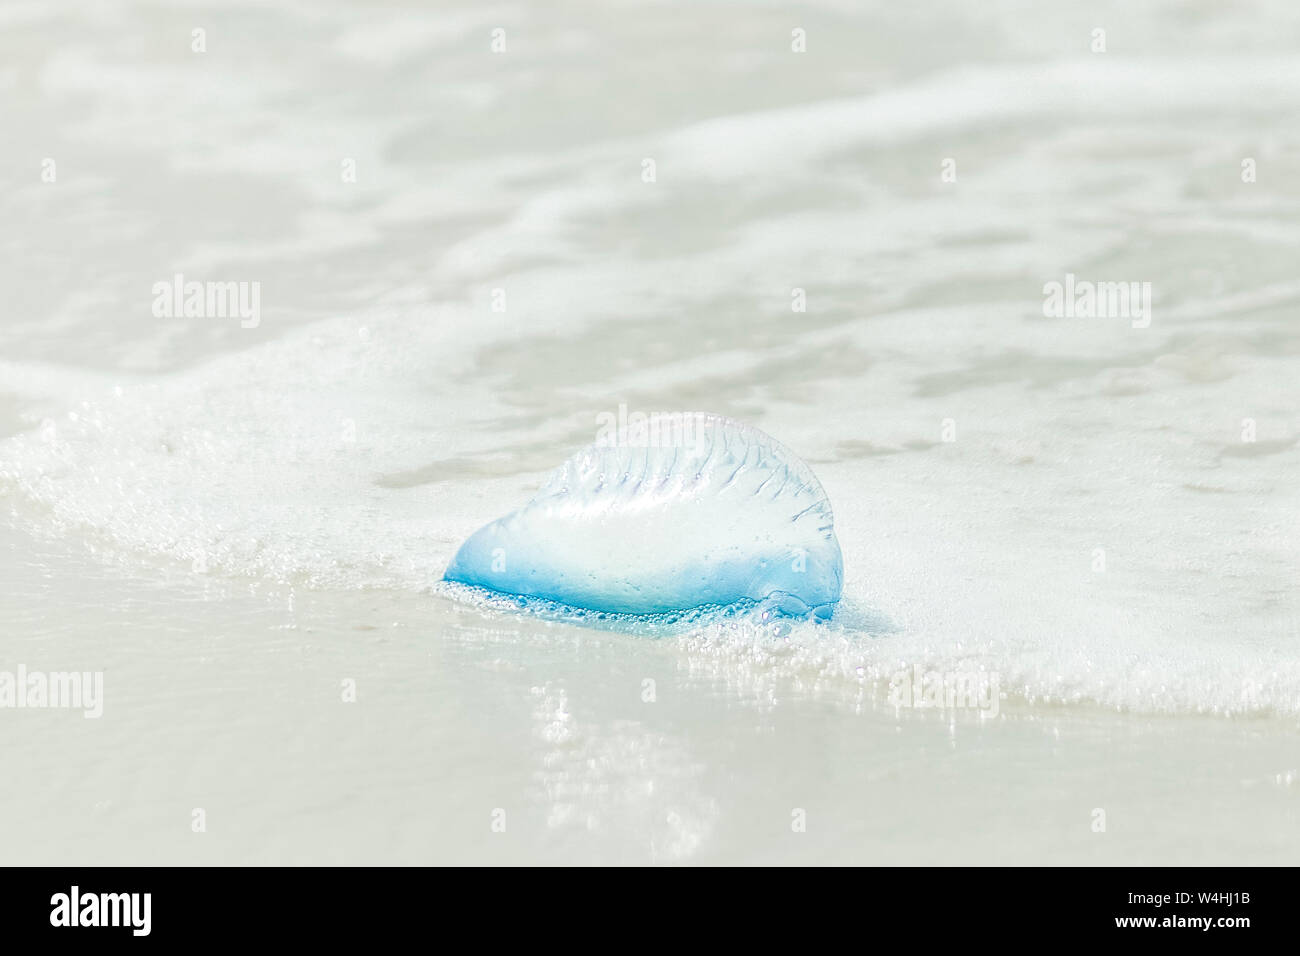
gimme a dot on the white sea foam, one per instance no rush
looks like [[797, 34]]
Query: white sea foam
[[333, 460]]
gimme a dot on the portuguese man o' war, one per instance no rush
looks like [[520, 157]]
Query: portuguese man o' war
[[721, 516]]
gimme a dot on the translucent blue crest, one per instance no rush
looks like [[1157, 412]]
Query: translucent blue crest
[[706, 513]]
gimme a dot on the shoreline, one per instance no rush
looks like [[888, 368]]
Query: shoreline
[[231, 702]]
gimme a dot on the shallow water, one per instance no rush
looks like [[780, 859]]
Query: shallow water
[[229, 521]]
